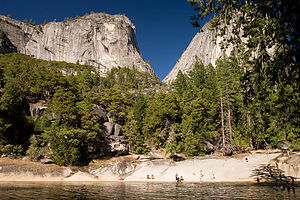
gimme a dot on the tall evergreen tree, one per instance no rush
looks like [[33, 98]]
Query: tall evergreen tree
[[269, 58]]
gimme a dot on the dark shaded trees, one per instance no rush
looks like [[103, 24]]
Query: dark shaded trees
[[269, 59]]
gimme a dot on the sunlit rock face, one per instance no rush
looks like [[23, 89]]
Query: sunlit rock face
[[205, 45], [101, 40]]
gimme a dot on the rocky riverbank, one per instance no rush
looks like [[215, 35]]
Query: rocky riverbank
[[239, 168]]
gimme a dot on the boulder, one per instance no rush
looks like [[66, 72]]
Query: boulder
[[67, 172], [209, 148], [110, 118], [116, 138], [115, 168], [118, 130], [46, 161], [101, 112], [136, 157], [37, 109], [118, 148], [52, 116], [109, 128], [228, 151], [283, 145], [171, 137], [177, 158], [155, 155], [144, 158]]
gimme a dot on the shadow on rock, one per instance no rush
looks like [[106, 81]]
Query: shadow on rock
[[269, 173]]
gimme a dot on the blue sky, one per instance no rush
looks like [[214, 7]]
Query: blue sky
[[163, 27]]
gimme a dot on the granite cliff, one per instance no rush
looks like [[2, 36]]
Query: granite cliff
[[101, 40], [205, 45]]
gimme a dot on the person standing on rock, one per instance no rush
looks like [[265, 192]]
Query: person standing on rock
[[201, 175], [176, 177]]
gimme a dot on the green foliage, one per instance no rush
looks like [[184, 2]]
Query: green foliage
[[68, 146], [260, 110], [38, 147], [69, 91], [33, 23], [116, 102], [42, 123], [181, 83], [160, 112], [198, 75], [130, 78], [64, 106], [194, 145], [68, 99], [11, 150], [14, 125], [138, 108], [269, 79]]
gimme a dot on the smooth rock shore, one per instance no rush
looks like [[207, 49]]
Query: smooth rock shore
[[132, 168]]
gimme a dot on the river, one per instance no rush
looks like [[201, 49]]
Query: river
[[141, 190]]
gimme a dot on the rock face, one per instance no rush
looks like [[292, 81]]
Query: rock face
[[109, 128], [205, 46], [5, 45], [101, 40], [116, 144], [37, 109], [209, 148]]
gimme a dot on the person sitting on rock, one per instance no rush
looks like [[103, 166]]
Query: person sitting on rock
[[148, 177], [213, 177], [181, 179], [152, 177]]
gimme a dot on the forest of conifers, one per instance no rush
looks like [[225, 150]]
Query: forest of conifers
[[207, 105], [249, 100]]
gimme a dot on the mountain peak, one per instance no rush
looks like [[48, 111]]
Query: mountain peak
[[98, 39], [205, 46]]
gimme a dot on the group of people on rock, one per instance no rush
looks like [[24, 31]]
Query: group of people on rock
[[282, 182], [179, 179], [211, 178], [148, 177], [288, 185]]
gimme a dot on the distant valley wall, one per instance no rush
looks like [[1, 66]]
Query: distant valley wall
[[101, 40], [205, 45]]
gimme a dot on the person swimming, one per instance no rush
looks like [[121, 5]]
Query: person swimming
[[275, 187]]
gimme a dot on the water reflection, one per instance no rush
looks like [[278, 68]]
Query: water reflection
[[138, 190]]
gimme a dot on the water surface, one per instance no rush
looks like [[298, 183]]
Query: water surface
[[140, 190]]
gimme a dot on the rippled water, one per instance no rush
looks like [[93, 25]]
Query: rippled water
[[139, 190]]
